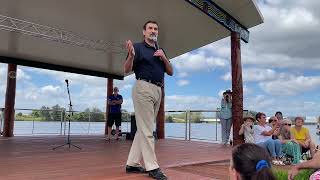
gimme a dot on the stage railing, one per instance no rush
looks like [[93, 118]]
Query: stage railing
[[200, 125], [54, 122], [1, 119], [190, 125]]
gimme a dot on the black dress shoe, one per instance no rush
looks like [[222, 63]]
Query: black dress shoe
[[157, 174], [133, 169]]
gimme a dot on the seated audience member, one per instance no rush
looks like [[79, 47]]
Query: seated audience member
[[279, 116], [290, 146], [311, 164], [250, 161], [274, 122], [263, 137], [301, 134], [247, 129]]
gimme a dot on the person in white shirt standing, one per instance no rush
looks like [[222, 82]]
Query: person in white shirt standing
[[263, 137]]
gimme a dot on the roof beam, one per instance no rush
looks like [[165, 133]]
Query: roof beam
[[30, 63], [58, 35], [222, 17]]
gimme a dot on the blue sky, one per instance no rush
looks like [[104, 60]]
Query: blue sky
[[280, 70]]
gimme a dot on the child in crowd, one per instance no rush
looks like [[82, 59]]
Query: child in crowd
[[247, 129]]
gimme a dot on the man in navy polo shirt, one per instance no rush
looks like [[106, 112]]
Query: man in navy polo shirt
[[149, 65], [114, 116]]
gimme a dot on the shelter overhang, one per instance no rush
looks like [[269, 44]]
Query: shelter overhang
[[87, 37]]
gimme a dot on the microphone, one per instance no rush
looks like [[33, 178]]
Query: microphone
[[155, 40], [67, 81]]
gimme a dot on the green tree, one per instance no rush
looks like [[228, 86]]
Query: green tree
[[35, 113], [251, 113], [56, 113], [126, 116], [84, 116], [19, 114], [195, 117], [45, 114], [169, 119], [97, 115]]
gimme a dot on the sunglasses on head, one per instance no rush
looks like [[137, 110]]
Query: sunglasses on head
[[287, 124]]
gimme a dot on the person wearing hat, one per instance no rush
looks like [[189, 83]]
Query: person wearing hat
[[226, 116], [247, 129]]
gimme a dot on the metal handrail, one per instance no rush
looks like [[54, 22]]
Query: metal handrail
[[188, 127], [1, 119], [188, 124]]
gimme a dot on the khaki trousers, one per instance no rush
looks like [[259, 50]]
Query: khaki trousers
[[146, 101]]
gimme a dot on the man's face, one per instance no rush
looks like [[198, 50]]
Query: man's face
[[115, 90], [274, 121], [279, 116], [262, 119], [150, 31]]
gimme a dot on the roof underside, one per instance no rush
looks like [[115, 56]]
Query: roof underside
[[182, 28]]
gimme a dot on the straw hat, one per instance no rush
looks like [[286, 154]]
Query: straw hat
[[248, 117]]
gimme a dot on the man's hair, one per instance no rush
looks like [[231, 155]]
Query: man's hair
[[259, 114], [150, 21], [278, 112]]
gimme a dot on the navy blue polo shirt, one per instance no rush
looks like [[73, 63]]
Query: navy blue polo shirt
[[145, 65], [115, 108]]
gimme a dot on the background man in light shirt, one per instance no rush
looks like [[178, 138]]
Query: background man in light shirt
[[263, 137]]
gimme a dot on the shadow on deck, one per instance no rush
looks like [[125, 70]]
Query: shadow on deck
[[33, 158]]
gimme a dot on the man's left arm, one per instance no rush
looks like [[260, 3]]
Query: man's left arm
[[120, 100], [167, 64]]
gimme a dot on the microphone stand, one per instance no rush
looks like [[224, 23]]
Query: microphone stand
[[70, 111]]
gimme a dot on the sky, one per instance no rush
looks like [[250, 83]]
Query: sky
[[280, 65]]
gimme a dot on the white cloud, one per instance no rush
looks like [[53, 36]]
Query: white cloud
[[195, 62], [126, 84], [3, 80], [227, 76], [180, 102], [182, 74], [291, 86], [128, 105], [288, 106], [220, 93], [183, 82], [254, 74], [51, 90], [259, 103], [295, 17], [22, 75], [289, 37]]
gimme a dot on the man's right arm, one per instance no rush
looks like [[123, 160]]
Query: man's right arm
[[269, 133], [129, 61]]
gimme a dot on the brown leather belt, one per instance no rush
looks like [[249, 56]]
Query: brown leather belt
[[152, 82]]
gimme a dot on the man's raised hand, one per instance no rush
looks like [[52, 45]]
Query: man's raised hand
[[130, 48]]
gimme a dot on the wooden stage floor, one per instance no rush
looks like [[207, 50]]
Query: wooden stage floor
[[23, 158]]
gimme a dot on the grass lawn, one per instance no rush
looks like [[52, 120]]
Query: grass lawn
[[281, 173]]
